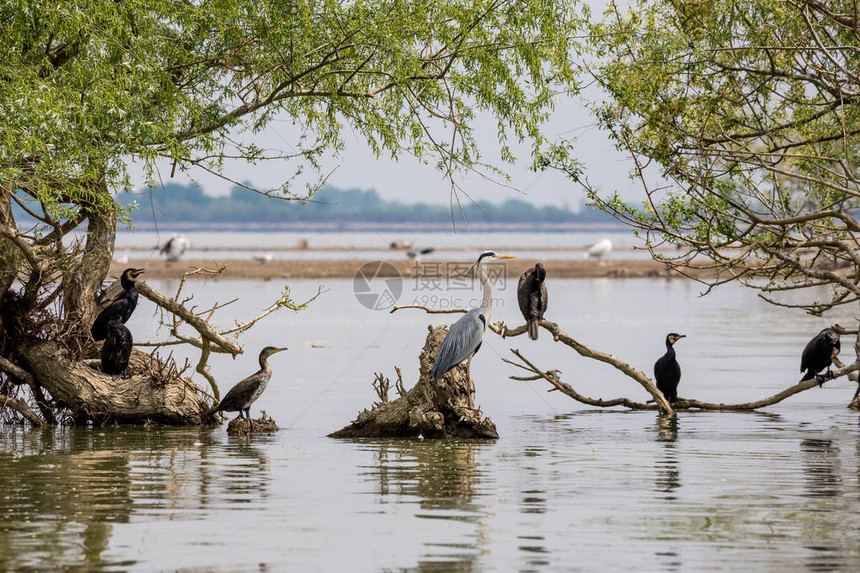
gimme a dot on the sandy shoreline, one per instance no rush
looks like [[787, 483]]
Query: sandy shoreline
[[346, 268]]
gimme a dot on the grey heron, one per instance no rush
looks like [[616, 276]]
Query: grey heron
[[532, 297], [819, 353], [117, 347], [242, 395], [465, 336], [667, 371], [599, 249], [123, 305]]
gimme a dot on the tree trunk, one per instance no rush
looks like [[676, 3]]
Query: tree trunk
[[152, 393], [83, 281], [433, 409]]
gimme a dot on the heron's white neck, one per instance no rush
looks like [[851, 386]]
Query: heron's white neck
[[486, 305]]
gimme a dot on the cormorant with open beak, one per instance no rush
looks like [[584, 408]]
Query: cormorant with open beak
[[123, 305]]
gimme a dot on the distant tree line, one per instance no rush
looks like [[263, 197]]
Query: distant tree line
[[176, 203]]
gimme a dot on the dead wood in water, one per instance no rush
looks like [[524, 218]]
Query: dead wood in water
[[554, 378], [658, 402], [239, 426], [432, 408]]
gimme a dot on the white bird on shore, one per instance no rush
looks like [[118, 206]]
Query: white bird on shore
[[175, 247], [599, 249], [264, 258]]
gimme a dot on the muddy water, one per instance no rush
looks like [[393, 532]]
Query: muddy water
[[565, 488]]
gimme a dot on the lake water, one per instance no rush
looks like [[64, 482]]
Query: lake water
[[565, 488]]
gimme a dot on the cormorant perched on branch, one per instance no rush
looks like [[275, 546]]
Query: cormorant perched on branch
[[117, 348], [123, 305], [667, 371], [819, 353], [531, 295], [242, 395]]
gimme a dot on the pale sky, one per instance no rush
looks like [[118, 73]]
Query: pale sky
[[409, 181]]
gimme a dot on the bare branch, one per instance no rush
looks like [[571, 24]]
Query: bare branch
[[16, 371], [582, 349], [200, 325], [22, 408]]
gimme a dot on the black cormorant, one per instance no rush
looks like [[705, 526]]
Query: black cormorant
[[819, 353], [117, 347], [667, 371], [123, 305], [242, 395], [531, 294]]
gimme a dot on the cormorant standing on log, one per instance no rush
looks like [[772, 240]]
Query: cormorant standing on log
[[123, 305], [242, 395], [667, 371], [531, 295], [819, 353], [117, 348]]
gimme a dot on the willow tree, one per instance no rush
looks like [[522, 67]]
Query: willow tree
[[742, 122], [185, 85]]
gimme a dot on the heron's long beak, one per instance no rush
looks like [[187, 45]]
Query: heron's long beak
[[505, 257]]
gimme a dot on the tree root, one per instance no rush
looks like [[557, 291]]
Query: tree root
[[22, 408], [90, 394]]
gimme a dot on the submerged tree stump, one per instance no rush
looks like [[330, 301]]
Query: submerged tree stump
[[242, 427], [432, 408]]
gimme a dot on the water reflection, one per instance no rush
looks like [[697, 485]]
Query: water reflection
[[668, 477], [445, 480], [821, 470], [62, 491], [65, 488]]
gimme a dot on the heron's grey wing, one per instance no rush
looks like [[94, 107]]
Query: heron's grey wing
[[463, 339]]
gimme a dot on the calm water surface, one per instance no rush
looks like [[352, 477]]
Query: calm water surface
[[566, 488]]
